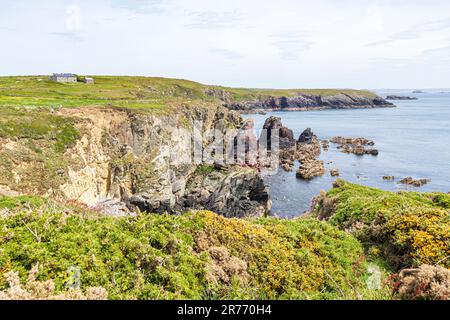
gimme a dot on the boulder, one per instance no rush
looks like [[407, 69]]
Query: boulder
[[236, 192], [334, 172], [286, 135], [306, 136], [400, 98], [308, 146], [352, 141], [246, 137], [355, 145], [310, 168], [325, 144], [414, 182]]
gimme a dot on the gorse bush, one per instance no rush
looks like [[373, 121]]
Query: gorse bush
[[198, 255], [146, 257], [407, 228], [299, 258]]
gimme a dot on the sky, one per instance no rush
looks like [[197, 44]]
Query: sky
[[246, 43]]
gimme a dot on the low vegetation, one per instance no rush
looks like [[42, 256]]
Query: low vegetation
[[38, 125], [391, 245], [198, 255], [32, 146], [405, 229]]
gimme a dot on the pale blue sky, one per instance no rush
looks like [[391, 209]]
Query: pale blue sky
[[250, 43]]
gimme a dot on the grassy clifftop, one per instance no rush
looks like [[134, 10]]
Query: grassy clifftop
[[148, 93]]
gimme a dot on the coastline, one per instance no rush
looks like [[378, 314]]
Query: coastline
[[303, 109]]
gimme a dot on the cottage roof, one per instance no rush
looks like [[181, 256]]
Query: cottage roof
[[64, 75]]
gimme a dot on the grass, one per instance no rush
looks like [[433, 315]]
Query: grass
[[204, 169], [140, 93], [34, 162], [198, 255], [20, 123]]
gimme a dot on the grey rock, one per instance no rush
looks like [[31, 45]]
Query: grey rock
[[309, 102], [400, 98], [306, 136]]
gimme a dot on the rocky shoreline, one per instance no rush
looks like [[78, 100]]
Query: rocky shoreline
[[306, 149], [357, 146], [306, 102], [401, 98]]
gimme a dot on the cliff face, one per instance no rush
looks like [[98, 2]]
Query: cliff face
[[309, 102], [126, 160]]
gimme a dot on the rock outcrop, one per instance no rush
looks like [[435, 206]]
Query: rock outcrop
[[308, 150], [414, 182], [286, 136], [229, 191], [334, 172], [307, 136], [308, 102], [308, 146], [400, 98], [355, 145], [126, 160], [305, 149], [310, 168], [359, 150], [352, 141]]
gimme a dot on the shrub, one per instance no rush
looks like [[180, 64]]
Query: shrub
[[44, 290], [426, 282], [198, 255], [408, 228], [289, 259]]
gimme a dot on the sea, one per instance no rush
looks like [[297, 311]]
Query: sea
[[413, 140]]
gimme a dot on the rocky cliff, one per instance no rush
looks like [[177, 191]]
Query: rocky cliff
[[302, 102], [126, 161]]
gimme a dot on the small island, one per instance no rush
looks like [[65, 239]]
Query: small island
[[401, 98]]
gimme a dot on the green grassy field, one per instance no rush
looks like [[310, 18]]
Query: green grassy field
[[130, 92]]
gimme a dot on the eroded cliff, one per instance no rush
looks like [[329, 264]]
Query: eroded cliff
[[302, 101], [128, 160]]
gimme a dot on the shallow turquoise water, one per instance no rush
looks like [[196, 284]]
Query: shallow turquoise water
[[413, 140]]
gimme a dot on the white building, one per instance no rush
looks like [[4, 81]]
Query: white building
[[64, 77], [88, 80]]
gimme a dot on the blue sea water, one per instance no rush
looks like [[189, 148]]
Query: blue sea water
[[413, 140]]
